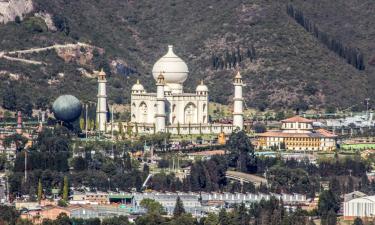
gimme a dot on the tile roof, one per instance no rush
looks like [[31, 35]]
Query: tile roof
[[296, 119], [317, 134]]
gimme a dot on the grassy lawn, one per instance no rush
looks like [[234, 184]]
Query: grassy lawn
[[362, 146]]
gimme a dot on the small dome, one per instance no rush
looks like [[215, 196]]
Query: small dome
[[201, 87], [173, 68], [138, 87]]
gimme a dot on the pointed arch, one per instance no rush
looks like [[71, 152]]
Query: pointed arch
[[190, 113], [143, 112]]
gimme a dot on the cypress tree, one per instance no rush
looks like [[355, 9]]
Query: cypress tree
[[179, 208], [65, 189], [40, 190]]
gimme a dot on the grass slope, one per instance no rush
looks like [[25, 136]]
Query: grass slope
[[292, 70]]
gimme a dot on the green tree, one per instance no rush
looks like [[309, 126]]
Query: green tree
[[66, 189], [23, 222], [259, 128], [335, 186], [151, 219], [183, 219], [120, 220], [242, 152], [82, 123], [24, 104], [211, 219], [152, 206], [121, 128], [8, 215], [280, 115], [79, 163], [224, 218], [61, 23], [40, 190], [178, 208], [328, 201], [62, 219], [330, 218], [358, 221], [9, 99], [42, 103]]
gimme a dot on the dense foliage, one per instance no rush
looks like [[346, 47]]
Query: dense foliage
[[286, 70]]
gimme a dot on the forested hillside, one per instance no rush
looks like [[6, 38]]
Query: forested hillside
[[284, 65]]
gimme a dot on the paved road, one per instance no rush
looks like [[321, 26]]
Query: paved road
[[256, 180]]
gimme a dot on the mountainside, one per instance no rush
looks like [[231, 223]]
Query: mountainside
[[287, 68]]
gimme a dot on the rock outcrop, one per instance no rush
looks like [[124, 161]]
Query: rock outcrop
[[10, 9]]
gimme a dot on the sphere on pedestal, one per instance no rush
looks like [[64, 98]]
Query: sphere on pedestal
[[67, 108]]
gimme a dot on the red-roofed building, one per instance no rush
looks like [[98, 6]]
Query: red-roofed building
[[297, 133]]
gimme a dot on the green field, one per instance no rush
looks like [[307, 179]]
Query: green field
[[361, 146]]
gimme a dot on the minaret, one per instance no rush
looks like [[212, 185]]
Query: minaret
[[101, 109], [160, 114], [238, 102], [19, 123]]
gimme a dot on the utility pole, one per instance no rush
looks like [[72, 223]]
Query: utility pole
[[25, 165], [86, 120], [113, 155]]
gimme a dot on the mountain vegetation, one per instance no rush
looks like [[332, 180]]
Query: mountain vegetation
[[283, 64]]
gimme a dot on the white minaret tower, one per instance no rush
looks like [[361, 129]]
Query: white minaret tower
[[101, 109], [238, 102], [160, 114]]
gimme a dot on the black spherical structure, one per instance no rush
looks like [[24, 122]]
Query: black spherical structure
[[67, 108]]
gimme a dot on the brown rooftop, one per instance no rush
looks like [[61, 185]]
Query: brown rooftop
[[295, 119]]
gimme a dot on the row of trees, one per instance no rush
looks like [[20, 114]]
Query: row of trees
[[230, 59], [353, 56]]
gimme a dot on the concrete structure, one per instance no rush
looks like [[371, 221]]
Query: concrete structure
[[93, 198], [238, 102], [363, 207], [297, 133], [172, 110], [246, 178], [101, 110]]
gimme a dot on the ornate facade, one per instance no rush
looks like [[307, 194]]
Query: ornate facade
[[297, 133], [172, 110]]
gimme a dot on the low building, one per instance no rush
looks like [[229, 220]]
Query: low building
[[297, 133], [168, 201], [95, 198], [363, 207], [50, 212], [238, 198]]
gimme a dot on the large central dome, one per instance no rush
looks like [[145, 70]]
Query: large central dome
[[174, 69]]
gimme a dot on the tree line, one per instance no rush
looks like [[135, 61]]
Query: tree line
[[230, 59], [353, 56]]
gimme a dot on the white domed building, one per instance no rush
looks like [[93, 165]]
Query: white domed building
[[170, 109]]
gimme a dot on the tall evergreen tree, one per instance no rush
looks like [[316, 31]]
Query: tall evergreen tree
[[40, 190], [242, 152], [66, 189], [224, 218], [179, 207]]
